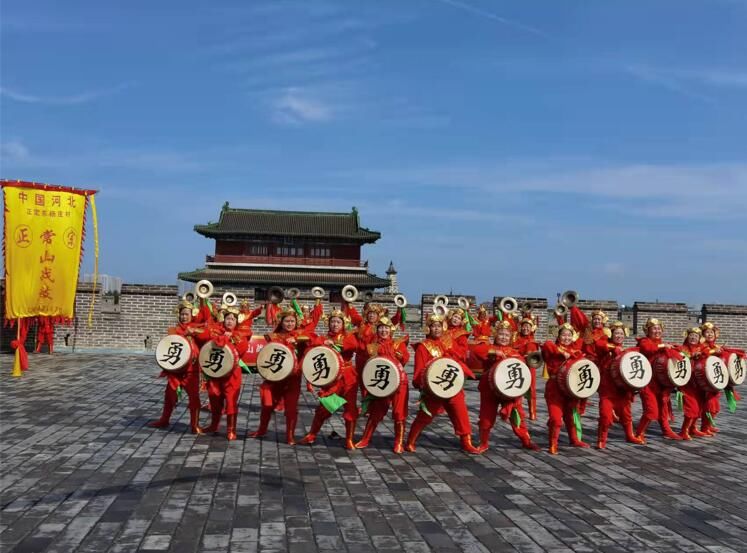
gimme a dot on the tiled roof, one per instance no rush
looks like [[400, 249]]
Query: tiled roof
[[284, 277], [260, 222]]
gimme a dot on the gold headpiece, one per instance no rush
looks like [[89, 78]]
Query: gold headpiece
[[233, 310], [619, 324], [530, 321], [386, 321], [602, 314], [567, 326], [456, 311], [482, 309], [184, 304], [710, 326], [502, 324], [381, 310], [692, 330], [339, 313], [653, 322], [286, 311], [433, 318]]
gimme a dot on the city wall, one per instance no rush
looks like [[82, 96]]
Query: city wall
[[145, 311]]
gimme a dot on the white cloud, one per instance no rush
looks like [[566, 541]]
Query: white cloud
[[295, 106], [14, 151], [493, 17], [71, 100]]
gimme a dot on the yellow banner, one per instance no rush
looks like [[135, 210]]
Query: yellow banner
[[43, 239]]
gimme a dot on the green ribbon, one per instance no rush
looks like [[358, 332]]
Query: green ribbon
[[515, 417], [680, 400], [337, 348], [364, 404], [577, 424], [246, 369], [709, 416], [296, 307], [500, 315], [332, 402], [421, 402], [402, 315], [178, 393], [731, 401]]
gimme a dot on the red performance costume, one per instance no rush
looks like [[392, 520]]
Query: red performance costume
[[655, 397], [612, 398], [223, 392], [285, 393], [524, 343], [483, 329], [431, 348], [365, 332], [490, 402], [561, 407], [378, 407], [693, 398], [346, 385], [45, 333], [188, 379]]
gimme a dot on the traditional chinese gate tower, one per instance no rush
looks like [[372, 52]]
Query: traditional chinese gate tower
[[257, 249]]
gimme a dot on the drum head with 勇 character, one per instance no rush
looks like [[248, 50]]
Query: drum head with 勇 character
[[583, 378], [216, 361], [275, 362], [679, 372], [716, 372], [635, 369], [511, 377], [321, 365], [173, 352], [381, 376], [737, 368], [444, 377]]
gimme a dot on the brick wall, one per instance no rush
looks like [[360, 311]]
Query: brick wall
[[731, 319], [675, 317]]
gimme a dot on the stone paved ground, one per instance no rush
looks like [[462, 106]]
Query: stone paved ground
[[81, 472]]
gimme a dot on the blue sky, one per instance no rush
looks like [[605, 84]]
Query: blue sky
[[500, 147]]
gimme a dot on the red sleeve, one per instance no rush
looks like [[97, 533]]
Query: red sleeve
[[481, 351], [271, 314], [648, 347], [352, 312], [255, 313], [422, 356], [242, 345], [551, 354], [512, 322], [350, 343], [459, 348], [404, 356], [397, 318], [204, 314], [559, 319], [579, 320], [205, 336]]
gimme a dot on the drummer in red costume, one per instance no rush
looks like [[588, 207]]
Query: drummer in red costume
[[612, 398], [693, 398], [561, 408], [346, 385], [45, 334], [285, 393], [433, 346], [376, 408], [223, 392], [188, 379], [490, 401], [655, 397], [365, 332], [483, 330], [456, 336], [712, 400], [524, 343]]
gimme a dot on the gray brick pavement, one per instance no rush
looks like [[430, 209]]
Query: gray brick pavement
[[82, 472]]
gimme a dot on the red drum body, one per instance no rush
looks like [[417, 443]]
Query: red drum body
[[444, 377], [671, 373], [381, 376], [321, 366], [275, 362], [711, 374], [580, 379], [510, 378], [631, 371]]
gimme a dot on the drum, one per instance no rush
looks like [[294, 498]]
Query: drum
[[173, 352], [670, 372], [321, 366], [382, 376], [711, 373], [275, 362], [737, 366], [510, 378], [631, 370], [216, 361], [444, 377], [580, 379]]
